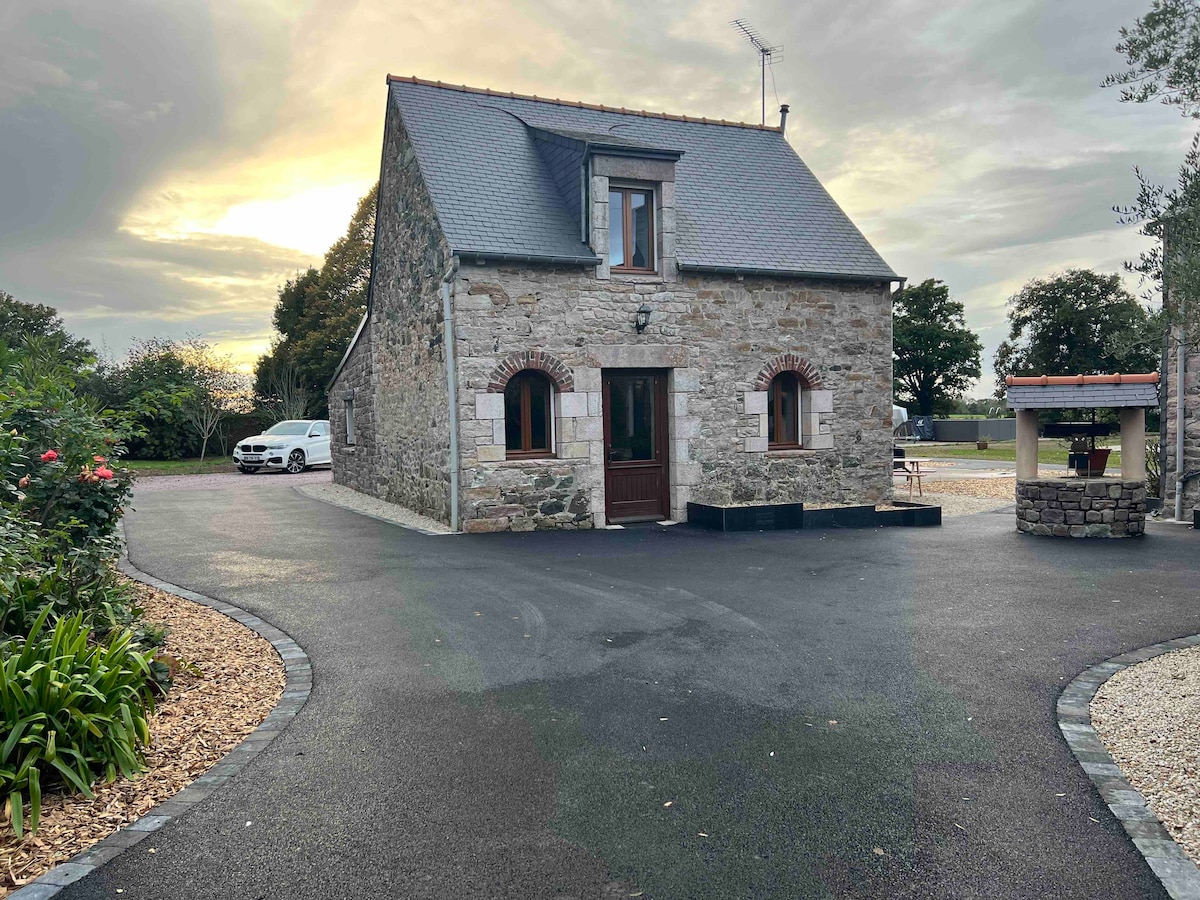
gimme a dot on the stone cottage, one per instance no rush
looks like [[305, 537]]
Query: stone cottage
[[581, 315]]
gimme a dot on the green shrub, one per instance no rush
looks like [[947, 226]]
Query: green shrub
[[72, 712], [40, 569]]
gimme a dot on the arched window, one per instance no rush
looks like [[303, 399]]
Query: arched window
[[783, 412], [527, 415]]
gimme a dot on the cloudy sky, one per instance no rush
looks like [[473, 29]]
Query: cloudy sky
[[164, 166]]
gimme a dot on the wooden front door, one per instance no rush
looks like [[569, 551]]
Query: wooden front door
[[635, 445]]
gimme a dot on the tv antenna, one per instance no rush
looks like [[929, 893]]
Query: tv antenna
[[767, 55]]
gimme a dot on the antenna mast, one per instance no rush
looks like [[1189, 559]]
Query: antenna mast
[[767, 55]]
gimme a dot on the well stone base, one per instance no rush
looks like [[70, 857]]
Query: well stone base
[[1082, 507]]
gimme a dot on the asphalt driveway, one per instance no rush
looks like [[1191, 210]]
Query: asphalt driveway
[[671, 711]]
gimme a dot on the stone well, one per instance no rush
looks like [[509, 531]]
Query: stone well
[[1078, 507], [1083, 506]]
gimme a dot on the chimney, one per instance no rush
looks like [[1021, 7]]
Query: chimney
[[783, 111]]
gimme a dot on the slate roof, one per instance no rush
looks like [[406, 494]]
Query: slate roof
[[744, 199], [1082, 391]]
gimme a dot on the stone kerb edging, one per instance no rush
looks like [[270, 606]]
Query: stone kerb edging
[[296, 689], [1174, 869]]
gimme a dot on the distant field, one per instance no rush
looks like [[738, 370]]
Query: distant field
[[1005, 451], [148, 467]]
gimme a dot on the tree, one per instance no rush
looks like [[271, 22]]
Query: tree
[[1162, 51], [152, 383], [1076, 323], [936, 355], [20, 322], [215, 392], [1162, 54], [278, 388], [318, 311]]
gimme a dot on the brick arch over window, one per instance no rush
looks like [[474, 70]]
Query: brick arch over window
[[520, 360], [789, 362]]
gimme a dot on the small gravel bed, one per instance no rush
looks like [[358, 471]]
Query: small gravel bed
[[348, 498], [991, 488], [229, 679], [1147, 717]]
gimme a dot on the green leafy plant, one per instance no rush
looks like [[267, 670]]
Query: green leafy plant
[[72, 712]]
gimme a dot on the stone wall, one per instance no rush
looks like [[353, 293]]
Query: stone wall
[[715, 335], [408, 460], [1191, 434], [355, 465], [1082, 508]]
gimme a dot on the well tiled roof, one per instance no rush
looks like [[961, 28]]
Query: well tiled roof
[[1081, 391], [744, 199]]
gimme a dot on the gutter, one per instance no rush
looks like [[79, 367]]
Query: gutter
[[447, 287], [786, 273], [488, 255]]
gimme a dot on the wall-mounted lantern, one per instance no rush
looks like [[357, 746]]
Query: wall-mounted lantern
[[642, 319]]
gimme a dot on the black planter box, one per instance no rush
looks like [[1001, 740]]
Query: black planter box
[[767, 517], [918, 515], [781, 516], [840, 517]]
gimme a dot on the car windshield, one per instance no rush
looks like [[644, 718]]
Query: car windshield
[[288, 428]]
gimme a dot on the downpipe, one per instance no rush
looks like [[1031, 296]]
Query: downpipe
[[1180, 478], [451, 386]]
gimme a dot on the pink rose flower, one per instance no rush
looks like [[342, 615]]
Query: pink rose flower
[[50, 456], [98, 459], [24, 482], [104, 472]]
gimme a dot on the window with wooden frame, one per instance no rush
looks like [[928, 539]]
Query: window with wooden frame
[[348, 407], [527, 428], [631, 230], [783, 412]]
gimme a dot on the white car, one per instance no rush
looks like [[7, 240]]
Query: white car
[[293, 446]]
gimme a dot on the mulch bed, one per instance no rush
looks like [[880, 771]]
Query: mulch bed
[[230, 679]]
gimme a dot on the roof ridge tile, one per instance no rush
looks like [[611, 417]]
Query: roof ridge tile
[[578, 104]]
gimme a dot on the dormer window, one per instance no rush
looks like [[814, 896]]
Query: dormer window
[[631, 230]]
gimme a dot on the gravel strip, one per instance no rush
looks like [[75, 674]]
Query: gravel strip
[[957, 505], [1002, 488], [1147, 717], [348, 498], [229, 680], [216, 480]]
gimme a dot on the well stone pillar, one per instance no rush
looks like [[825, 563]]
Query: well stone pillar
[[1133, 444], [1027, 444]]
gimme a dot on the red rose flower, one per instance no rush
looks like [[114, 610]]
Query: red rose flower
[[50, 456], [104, 472]]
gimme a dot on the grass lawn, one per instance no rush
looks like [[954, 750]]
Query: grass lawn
[[212, 463], [1048, 452]]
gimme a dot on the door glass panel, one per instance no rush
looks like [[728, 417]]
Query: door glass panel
[[512, 415], [642, 255], [616, 228], [787, 406], [631, 418], [539, 403]]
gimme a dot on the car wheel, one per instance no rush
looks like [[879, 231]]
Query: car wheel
[[247, 470], [295, 462]]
